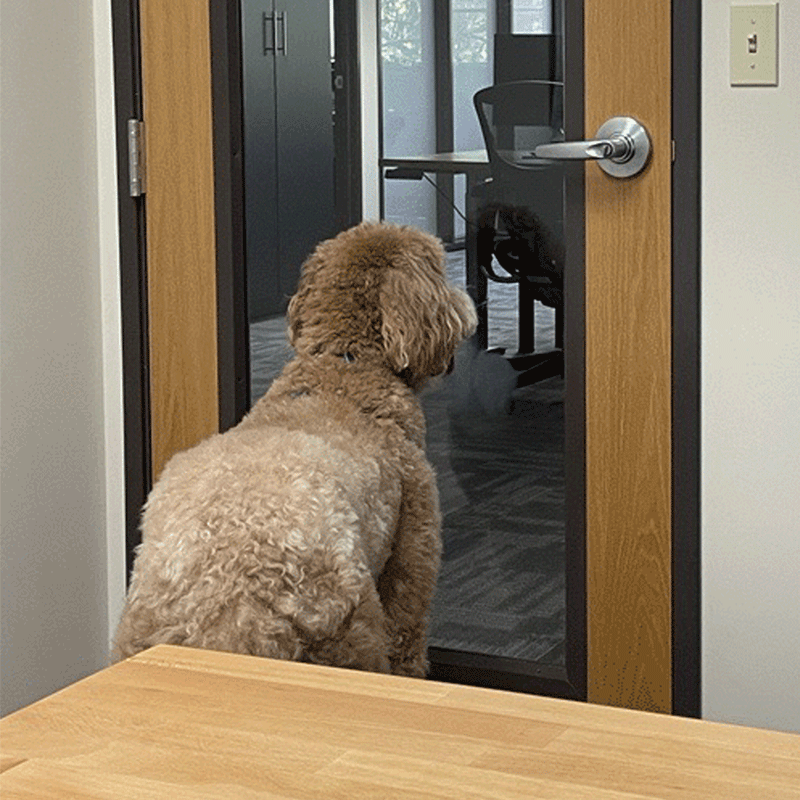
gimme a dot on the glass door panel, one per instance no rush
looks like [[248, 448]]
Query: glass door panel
[[408, 86], [287, 82], [504, 430], [498, 426]]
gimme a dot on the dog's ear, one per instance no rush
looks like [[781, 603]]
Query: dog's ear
[[384, 286], [293, 318], [424, 319], [295, 312]]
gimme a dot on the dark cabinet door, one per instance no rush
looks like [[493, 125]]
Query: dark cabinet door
[[261, 173], [305, 155], [288, 144]]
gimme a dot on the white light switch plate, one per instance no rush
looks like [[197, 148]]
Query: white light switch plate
[[754, 45]]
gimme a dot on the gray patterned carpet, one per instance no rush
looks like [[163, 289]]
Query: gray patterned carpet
[[498, 453], [501, 478]]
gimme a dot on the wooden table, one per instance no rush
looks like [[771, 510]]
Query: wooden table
[[174, 723]]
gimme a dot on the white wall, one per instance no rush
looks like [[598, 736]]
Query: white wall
[[751, 384], [59, 385], [108, 234]]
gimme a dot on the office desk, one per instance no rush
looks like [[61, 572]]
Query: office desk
[[182, 724], [474, 165], [469, 162]]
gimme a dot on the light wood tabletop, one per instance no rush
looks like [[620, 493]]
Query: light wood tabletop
[[177, 723]]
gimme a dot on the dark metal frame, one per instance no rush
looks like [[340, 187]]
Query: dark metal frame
[[234, 369], [445, 123], [686, 461], [347, 130], [227, 103], [133, 276]]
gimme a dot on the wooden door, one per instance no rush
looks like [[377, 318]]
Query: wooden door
[[628, 364], [629, 474], [181, 246]]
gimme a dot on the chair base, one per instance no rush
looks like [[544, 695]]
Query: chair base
[[534, 367]]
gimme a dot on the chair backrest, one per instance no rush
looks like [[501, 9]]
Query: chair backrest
[[515, 117]]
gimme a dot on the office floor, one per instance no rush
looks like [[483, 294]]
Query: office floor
[[498, 453]]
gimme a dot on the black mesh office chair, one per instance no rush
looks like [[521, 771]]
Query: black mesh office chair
[[520, 220]]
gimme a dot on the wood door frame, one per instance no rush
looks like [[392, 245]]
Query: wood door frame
[[225, 169], [180, 211], [628, 365]]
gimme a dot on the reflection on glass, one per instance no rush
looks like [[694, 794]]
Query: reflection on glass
[[496, 425], [472, 28], [531, 16], [287, 87]]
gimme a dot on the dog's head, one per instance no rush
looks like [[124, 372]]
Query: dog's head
[[381, 289]]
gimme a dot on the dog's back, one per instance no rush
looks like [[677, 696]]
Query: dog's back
[[265, 540], [312, 530]]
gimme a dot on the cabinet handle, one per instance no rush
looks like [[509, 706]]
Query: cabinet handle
[[281, 18], [269, 37]]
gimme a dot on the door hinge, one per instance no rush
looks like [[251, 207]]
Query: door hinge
[[136, 163]]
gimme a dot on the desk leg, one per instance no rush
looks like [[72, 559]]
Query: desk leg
[[526, 323], [477, 283]]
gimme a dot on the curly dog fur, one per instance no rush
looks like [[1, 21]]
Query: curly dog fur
[[311, 531]]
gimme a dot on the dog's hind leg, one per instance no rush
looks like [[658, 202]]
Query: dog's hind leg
[[361, 643], [408, 580]]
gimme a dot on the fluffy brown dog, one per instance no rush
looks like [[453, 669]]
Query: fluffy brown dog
[[311, 531]]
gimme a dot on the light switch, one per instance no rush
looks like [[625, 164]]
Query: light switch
[[754, 45]]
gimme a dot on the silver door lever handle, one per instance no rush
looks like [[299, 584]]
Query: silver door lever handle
[[621, 146]]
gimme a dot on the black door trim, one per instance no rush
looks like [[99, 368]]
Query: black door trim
[[233, 341], [686, 457]]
